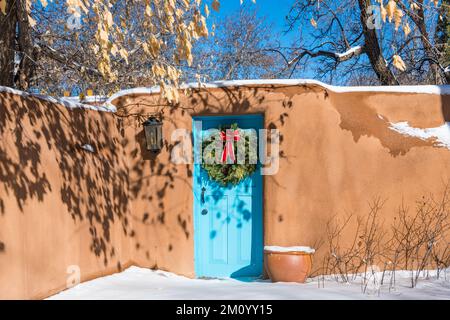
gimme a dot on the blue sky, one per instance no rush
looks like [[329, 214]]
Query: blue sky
[[274, 10]]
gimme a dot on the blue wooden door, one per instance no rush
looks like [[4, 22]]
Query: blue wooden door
[[228, 229]]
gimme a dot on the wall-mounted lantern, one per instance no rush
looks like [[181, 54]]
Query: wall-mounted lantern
[[153, 134]]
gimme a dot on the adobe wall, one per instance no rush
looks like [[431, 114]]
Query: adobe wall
[[338, 154], [61, 205]]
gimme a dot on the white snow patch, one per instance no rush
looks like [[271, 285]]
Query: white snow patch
[[88, 147], [289, 249], [67, 102], [139, 283], [426, 89], [348, 52], [441, 134], [87, 99]]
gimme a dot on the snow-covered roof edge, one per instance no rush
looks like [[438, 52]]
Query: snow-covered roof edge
[[73, 102], [66, 102], [425, 89], [87, 99]]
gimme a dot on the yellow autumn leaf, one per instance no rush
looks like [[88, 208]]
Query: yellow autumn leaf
[[414, 6], [157, 70], [398, 62], [206, 10], [31, 21], [216, 5], [123, 23], [146, 48], [103, 35], [154, 45], [383, 12], [313, 22], [109, 18], [171, 93], [95, 48], [3, 6], [114, 49], [398, 14], [43, 3], [406, 29], [390, 8], [179, 13], [124, 54], [435, 2], [148, 10]]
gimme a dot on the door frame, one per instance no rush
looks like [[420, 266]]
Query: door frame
[[196, 173]]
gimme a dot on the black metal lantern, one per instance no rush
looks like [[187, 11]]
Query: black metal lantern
[[153, 134]]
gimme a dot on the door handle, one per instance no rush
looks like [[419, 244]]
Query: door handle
[[202, 197]]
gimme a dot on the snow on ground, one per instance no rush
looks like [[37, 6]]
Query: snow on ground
[[139, 283]]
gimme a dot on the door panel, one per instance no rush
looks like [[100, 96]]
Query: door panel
[[240, 235], [218, 230], [228, 234]]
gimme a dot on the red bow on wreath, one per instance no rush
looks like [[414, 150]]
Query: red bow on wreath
[[229, 137]]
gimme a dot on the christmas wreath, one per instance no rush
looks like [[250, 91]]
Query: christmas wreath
[[222, 167]]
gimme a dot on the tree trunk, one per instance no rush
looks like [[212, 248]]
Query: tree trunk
[[429, 50], [442, 34], [418, 18], [372, 47], [25, 46], [7, 37]]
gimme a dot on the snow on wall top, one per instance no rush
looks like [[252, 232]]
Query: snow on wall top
[[74, 102], [66, 102], [426, 89], [87, 99]]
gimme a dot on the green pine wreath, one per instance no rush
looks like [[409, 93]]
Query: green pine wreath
[[228, 173]]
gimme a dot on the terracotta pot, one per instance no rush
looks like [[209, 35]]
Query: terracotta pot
[[292, 266]]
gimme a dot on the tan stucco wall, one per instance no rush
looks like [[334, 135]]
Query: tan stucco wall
[[338, 154], [61, 205]]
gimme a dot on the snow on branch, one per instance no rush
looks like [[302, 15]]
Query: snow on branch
[[338, 57]]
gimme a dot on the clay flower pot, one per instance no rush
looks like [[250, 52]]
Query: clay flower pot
[[288, 264]]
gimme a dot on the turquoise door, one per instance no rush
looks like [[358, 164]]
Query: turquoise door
[[228, 229]]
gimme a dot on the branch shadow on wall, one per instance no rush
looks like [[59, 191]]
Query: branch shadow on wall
[[88, 158], [151, 187]]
